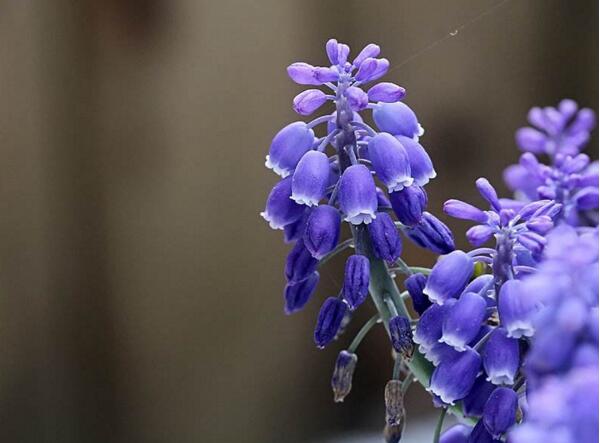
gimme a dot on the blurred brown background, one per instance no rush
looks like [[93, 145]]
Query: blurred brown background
[[140, 292]]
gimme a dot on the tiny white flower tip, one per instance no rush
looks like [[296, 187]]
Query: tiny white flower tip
[[304, 200], [360, 218], [454, 342], [283, 173], [272, 224]]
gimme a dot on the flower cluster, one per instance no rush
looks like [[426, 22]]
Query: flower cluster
[[505, 336]]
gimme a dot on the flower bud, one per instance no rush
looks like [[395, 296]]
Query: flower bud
[[531, 140], [474, 402], [296, 295], [500, 411], [516, 309], [299, 263], [341, 381], [303, 74], [295, 230], [357, 98], [500, 357], [393, 433], [337, 52], [479, 234], [464, 211], [288, 147], [479, 283], [384, 238], [430, 233], [325, 75], [458, 433], [280, 209], [409, 204], [322, 230], [357, 195], [453, 378], [394, 403], [366, 69], [356, 280], [480, 434], [390, 161], [397, 119], [369, 51], [488, 192], [449, 277], [383, 65], [309, 101], [541, 225], [463, 321], [329, 321], [386, 92], [532, 241], [421, 167], [401, 336], [415, 285], [310, 179]]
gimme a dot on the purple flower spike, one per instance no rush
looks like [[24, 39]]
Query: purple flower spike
[[516, 309], [449, 277], [310, 179], [309, 101], [357, 98], [488, 192], [421, 167], [453, 378], [300, 264], [296, 295], [329, 321], [464, 211], [430, 233], [415, 285], [500, 411], [322, 231], [409, 204], [474, 402], [390, 161], [281, 210], [384, 238], [397, 119], [303, 74], [370, 51], [401, 336], [463, 321], [501, 358], [458, 433], [356, 280], [479, 234], [357, 195], [386, 93], [288, 147]]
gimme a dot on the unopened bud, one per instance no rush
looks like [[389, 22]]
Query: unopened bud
[[394, 403], [401, 335], [393, 433], [341, 381]]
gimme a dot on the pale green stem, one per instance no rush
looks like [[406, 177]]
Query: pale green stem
[[438, 427], [362, 332]]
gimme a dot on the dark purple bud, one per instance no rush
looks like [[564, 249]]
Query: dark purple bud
[[463, 321], [394, 403], [299, 264], [531, 140], [587, 199], [295, 230], [310, 179], [366, 69], [458, 433], [479, 234], [329, 321], [429, 327], [357, 98], [430, 233], [409, 204], [500, 357], [415, 285], [500, 411], [421, 167], [369, 51], [325, 75], [322, 231], [488, 192], [341, 381], [401, 336], [309, 101], [296, 295], [516, 309], [479, 434], [303, 74], [357, 195], [288, 147], [449, 277], [541, 225], [385, 238], [397, 119], [281, 210], [356, 280], [453, 378], [464, 211], [386, 92], [474, 402], [390, 161]]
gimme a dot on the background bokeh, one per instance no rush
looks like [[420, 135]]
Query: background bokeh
[[140, 292]]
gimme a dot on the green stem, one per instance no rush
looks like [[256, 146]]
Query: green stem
[[438, 428], [418, 269], [362, 332]]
